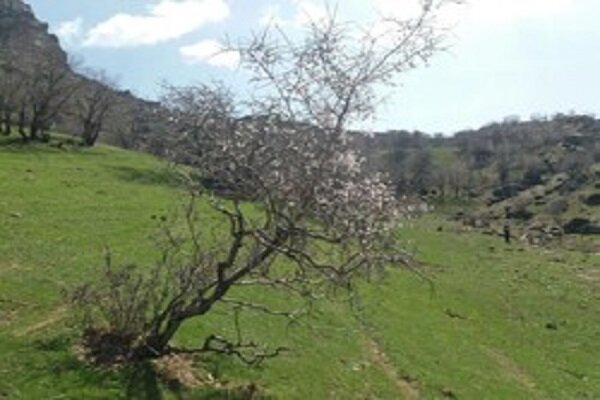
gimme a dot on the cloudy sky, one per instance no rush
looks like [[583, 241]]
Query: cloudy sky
[[508, 57]]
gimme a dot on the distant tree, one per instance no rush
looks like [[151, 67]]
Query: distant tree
[[503, 164], [421, 169], [49, 87], [94, 103], [395, 161], [318, 219], [457, 178], [534, 172], [12, 83]]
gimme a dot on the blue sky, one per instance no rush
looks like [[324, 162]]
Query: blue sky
[[508, 57]]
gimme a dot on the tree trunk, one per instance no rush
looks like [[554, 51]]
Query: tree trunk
[[34, 129], [7, 123], [22, 122], [90, 136], [156, 345]]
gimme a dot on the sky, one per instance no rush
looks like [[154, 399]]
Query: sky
[[506, 57]]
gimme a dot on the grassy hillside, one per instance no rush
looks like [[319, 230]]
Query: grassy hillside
[[497, 322]]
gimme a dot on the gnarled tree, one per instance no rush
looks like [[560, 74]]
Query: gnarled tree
[[298, 209], [12, 84], [94, 103], [50, 85]]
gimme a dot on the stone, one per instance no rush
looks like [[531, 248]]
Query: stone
[[592, 200], [583, 226]]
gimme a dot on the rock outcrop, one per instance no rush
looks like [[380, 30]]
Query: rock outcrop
[[23, 36]]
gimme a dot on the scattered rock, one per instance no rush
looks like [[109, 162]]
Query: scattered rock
[[180, 369], [480, 223], [453, 314], [557, 207], [552, 326], [540, 233], [582, 226], [448, 393], [592, 200], [520, 213]]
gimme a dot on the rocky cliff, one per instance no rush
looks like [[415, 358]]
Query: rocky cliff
[[26, 41], [23, 36]]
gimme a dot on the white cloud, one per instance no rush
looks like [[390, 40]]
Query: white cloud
[[510, 10], [477, 11], [164, 21], [69, 32], [471, 15], [210, 52]]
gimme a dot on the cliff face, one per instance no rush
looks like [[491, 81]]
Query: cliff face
[[24, 37], [25, 42], [15, 6]]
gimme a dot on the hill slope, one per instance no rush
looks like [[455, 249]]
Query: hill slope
[[501, 322]]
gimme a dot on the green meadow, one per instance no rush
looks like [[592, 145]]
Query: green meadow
[[480, 320]]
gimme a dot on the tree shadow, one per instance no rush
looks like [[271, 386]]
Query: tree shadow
[[140, 381], [143, 383], [52, 344], [163, 177], [53, 145]]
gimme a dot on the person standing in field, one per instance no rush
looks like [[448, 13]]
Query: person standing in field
[[506, 229]]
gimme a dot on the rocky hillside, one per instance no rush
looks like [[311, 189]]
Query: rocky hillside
[[23, 36], [26, 45], [543, 175]]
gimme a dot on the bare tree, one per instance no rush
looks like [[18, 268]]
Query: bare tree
[[457, 178], [421, 169], [12, 83], [94, 104], [317, 217], [50, 86]]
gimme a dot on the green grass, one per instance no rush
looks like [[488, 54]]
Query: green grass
[[499, 322]]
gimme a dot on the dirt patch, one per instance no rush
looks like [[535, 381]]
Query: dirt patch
[[10, 268], [180, 369], [406, 385], [510, 368], [55, 316], [592, 276]]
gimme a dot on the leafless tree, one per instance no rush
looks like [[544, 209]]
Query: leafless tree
[[292, 205], [457, 178], [12, 83], [94, 104], [50, 86]]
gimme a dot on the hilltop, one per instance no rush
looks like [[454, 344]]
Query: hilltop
[[542, 174]]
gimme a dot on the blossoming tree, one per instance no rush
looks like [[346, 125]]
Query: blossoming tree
[[299, 211]]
